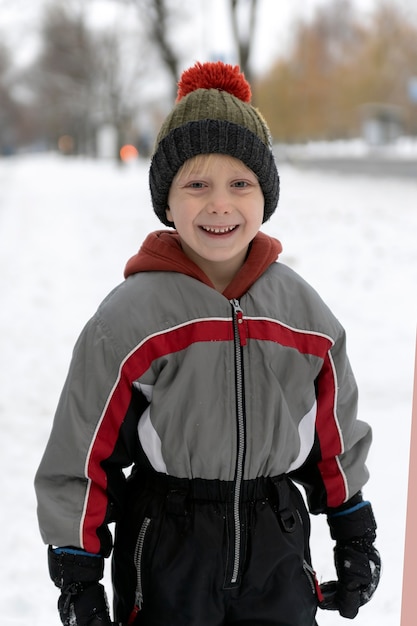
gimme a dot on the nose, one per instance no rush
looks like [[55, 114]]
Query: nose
[[219, 202]]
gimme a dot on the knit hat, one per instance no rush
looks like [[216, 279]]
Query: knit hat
[[213, 114]]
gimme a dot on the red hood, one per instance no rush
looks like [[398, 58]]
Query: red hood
[[161, 252]]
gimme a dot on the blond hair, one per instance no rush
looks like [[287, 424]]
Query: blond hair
[[202, 163]]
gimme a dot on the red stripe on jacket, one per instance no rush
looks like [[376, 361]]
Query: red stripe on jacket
[[329, 435]]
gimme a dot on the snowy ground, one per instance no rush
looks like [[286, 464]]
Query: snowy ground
[[66, 229]]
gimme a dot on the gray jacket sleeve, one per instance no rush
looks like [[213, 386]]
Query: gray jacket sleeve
[[80, 482]]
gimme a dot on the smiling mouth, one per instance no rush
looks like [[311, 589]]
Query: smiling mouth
[[219, 230]]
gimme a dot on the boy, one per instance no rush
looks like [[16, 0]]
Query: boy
[[220, 377]]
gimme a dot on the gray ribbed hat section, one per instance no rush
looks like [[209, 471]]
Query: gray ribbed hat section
[[206, 137]]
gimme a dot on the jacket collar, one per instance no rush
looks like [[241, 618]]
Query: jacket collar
[[161, 252]]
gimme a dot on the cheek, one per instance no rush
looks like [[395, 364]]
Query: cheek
[[256, 215]]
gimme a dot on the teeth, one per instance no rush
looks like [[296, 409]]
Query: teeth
[[224, 229]]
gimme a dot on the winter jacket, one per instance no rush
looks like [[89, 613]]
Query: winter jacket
[[172, 375]]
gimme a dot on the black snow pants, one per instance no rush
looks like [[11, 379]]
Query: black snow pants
[[197, 553]]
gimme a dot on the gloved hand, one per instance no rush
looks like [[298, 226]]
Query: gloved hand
[[83, 600], [357, 561]]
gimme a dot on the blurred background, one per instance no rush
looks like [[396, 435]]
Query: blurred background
[[87, 77]]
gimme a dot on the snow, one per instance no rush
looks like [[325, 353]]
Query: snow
[[67, 226], [403, 148]]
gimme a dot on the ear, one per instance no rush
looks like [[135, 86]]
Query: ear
[[169, 214]]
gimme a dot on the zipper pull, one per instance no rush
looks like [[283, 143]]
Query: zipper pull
[[240, 324], [133, 614]]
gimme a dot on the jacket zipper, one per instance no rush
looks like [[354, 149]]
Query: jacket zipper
[[138, 564], [240, 341]]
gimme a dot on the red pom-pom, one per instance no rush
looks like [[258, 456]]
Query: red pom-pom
[[217, 75]]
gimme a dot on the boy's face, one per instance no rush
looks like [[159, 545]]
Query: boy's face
[[217, 207]]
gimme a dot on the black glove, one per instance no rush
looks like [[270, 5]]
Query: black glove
[[83, 600], [357, 561]]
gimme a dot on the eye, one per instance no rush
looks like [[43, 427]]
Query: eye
[[196, 185], [240, 184]]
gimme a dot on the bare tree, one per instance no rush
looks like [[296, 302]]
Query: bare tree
[[63, 78], [244, 27], [158, 18], [85, 77], [161, 19], [120, 72], [7, 108]]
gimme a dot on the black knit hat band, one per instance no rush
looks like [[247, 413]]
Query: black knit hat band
[[206, 137]]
